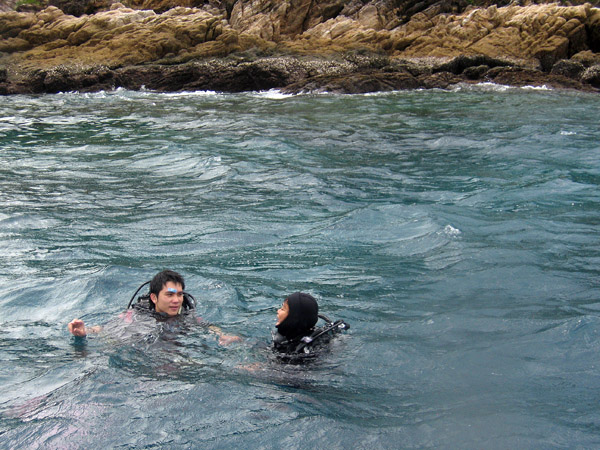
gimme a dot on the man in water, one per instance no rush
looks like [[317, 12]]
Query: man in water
[[166, 301]]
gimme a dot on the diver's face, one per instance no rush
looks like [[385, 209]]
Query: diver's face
[[282, 312], [169, 299]]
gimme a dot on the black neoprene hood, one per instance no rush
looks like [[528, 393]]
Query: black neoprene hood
[[302, 316]]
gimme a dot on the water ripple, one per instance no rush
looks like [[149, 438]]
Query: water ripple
[[456, 231]]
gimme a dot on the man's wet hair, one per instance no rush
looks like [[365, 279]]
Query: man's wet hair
[[162, 278]]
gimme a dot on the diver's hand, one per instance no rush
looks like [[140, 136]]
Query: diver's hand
[[254, 367], [77, 328], [226, 339]]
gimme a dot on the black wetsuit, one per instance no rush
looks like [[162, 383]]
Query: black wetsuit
[[296, 338]]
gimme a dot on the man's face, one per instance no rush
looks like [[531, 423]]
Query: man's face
[[169, 300]]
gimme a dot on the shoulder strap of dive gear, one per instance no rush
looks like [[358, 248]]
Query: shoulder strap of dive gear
[[189, 302], [136, 292], [338, 325]]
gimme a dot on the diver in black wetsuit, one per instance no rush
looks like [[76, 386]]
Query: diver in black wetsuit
[[297, 338]]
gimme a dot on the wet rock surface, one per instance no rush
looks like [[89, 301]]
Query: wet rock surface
[[297, 46]]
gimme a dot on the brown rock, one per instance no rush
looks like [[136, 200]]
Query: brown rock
[[587, 58], [535, 78], [476, 72], [355, 83], [58, 50], [568, 68], [12, 45], [592, 76], [439, 80], [13, 23]]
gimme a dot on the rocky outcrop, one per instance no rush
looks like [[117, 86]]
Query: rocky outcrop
[[118, 37], [341, 45]]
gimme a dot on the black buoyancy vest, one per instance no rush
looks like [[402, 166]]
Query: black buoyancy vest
[[309, 344]]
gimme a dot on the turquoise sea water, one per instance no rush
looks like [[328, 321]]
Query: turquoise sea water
[[456, 231]]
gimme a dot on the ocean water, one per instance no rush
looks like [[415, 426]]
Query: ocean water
[[457, 232]]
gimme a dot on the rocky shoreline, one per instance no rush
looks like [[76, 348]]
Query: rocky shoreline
[[249, 45], [289, 74]]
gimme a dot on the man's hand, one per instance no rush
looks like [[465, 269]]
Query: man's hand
[[77, 328], [226, 339]]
